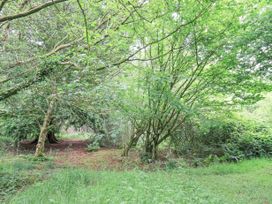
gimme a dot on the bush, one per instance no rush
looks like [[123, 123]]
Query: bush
[[20, 128], [102, 140], [248, 146], [93, 147], [230, 140]]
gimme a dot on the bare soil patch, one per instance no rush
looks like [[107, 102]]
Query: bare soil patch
[[73, 152], [61, 145]]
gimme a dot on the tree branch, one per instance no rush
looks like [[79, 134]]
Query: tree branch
[[3, 4], [128, 58], [85, 22], [53, 51], [30, 11]]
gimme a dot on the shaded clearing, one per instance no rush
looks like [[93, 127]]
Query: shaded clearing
[[73, 152], [61, 145]]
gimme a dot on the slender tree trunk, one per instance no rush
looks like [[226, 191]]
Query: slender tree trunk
[[125, 151], [44, 130], [151, 146], [127, 148], [133, 142], [154, 151]]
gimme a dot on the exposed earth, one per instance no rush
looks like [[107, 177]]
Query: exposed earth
[[73, 152]]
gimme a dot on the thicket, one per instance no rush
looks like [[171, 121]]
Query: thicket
[[224, 140]]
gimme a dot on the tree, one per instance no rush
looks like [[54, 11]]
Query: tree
[[44, 129], [194, 70], [181, 57], [44, 53]]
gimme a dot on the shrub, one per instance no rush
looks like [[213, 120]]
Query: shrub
[[225, 141], [249, 145], [20, 128], [93, 147]]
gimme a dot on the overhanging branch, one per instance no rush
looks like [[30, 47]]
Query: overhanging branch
[[30, 11]]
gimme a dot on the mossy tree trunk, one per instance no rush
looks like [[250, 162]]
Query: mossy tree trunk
[[44, 129], [50, 137]]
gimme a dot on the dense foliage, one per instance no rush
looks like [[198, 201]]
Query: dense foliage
[[135, 72], [224, 140]]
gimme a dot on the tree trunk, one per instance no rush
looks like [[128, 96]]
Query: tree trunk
[[148, 149], [44, 130], [125, 151], [132, 143], [151, 148], [51, 137], [154, 151]]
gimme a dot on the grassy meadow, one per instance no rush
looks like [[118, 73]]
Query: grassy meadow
[[32, 181]]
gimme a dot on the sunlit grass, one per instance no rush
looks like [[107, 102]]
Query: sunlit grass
[[80, 136]]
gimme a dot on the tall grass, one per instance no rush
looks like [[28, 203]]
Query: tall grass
[[248, 182], [80, 186], [17, 173]]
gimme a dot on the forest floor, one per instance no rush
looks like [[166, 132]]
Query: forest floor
[[73, 175], [73, 152]]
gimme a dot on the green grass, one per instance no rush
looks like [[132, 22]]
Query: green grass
[[79, 186], [246, 182], [17, 173], [5, 143], [246, 166], [82, 136]]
